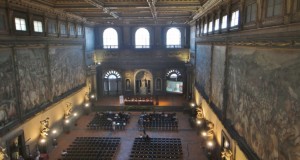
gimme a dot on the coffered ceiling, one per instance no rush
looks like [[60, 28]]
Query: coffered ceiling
[[127, 11]]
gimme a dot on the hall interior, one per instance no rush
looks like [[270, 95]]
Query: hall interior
[[229, 69]]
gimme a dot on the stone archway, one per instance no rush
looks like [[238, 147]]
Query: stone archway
[[143, 82]]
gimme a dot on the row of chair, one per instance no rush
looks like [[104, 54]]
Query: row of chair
[[95, 148], [109, 121], [156, 148], [158, 121]]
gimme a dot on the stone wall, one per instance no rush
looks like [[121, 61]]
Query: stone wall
[[263, 103]]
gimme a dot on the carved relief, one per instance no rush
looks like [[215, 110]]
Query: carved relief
[[8, 98], [203, 69], [263, 102], [33, 75], [67, 70]]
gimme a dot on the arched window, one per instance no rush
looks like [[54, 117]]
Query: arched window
[[173, 38], [112, 83], [110, 38], [142, 38]]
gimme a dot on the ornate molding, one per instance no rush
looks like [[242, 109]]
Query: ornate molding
[[286, 44], [205, 8]]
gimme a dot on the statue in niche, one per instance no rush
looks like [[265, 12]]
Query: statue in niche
[[45, 127], [3, 155], [200, 113], [143, 83], [226, 154], [68, 110]]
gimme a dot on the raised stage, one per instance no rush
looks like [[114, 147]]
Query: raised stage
[[163, 101]]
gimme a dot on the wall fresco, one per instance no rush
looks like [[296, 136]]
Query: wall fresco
[[67, 69], [33, 75], [203, 63], [263, 103], [8, 100], [217, 77]]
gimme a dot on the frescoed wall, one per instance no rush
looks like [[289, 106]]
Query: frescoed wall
[[66, 67], [33, 76], [203, 67], [263, 103], [217, 76], [8, 97]]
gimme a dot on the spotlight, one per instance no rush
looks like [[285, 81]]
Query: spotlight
[[92, 96], [210, 144], [75, 114], [98, 63], [54, 132], [226, 144], [86, 104], [192, 105], [43, 141], [204, 134], [199, 122], [67, 121]]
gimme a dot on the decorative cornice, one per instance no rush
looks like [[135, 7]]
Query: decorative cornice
[[46, 9], [206, 7], [286, 44]]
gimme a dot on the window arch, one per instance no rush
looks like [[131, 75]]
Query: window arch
[[142, 38], [110, 38], [111, 73], [173, 74], [173, 38]]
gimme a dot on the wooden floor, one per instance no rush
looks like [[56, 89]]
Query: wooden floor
[[191, 142]]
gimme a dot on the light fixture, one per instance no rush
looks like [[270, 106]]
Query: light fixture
[[199, 122], [92, 96], [54, 131], [210, 144], [192, 105], [87, 104], [226, 144], [204, 134], [75, 114], [43, 140], [67, 121]]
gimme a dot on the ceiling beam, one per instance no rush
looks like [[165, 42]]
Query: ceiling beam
[[152, 7], [100, 6]]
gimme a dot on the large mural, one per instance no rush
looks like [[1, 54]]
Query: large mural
[[8, 100], [264, 100], [217, 76], [67, 68], [203, 67], [34, 77]]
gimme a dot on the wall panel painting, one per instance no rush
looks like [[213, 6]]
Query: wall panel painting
[[8, 98], [264, 99], [33, 75], [217, 77], [203, 68], [67, 69]]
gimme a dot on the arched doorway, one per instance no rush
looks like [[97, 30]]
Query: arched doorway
[[143, 84], [112, 83]]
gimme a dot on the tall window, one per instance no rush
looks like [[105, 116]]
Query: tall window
[[173, 38], [79, 30], [52, 26], [234, 19], [274, 8], [224, 22], [210, 26], [142, 38], [110, 38], [38, 26], [217, 23], [251, 12], [72, 29], [20, 24], [205, 28], [63, 28]]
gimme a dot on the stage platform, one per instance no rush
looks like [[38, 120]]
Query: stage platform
[[169, 102]]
